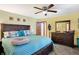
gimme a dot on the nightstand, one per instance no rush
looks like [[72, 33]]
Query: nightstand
[[1, 48]]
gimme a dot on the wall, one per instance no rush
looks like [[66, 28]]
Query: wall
[[4, 18], [74, 23]]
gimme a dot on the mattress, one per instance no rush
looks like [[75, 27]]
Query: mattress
[[36, 43]]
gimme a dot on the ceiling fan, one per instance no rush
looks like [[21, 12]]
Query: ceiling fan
[[45, 9]]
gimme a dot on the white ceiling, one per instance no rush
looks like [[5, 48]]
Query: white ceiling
[[28, 10]]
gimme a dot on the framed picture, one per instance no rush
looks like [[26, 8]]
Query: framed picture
[[24, 20], [10, 18], [18, 19]]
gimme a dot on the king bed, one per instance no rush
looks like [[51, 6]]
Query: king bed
[[37, 45]]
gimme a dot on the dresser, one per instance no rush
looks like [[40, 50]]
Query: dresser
[[64, 38]]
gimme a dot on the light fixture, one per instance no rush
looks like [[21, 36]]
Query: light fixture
[[45, 13]]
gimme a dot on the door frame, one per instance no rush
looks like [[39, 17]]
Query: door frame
[[44, 26]]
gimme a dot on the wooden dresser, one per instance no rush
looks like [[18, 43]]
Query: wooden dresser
[[65, 38]]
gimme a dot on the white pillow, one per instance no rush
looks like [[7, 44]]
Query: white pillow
[[10, 34], [6, 34], [20, 41], [13, 34], [27, 32]]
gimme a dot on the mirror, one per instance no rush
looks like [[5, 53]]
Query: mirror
[[61, 26]]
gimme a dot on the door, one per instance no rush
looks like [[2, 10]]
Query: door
[[41, 28], [38, 28]]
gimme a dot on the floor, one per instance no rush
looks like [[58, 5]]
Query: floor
[[64, 50]]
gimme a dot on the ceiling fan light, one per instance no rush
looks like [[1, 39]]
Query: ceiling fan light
[[44, 12]]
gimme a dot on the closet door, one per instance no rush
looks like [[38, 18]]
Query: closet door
[[38, 28], [41, 28]]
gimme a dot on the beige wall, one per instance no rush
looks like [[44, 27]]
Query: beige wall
[[4, 18]]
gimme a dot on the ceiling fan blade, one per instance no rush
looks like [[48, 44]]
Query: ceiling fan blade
[[38, 12], [52, 11], [38, 8], [51, 5]]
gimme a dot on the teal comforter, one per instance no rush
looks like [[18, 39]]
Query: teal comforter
[[36, 43]]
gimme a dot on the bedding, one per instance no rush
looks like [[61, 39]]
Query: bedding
[[19, 33], [36, 43], [24, 33], [27, 32], [13, 33], [10, 34], [6, 34], [19, 41]]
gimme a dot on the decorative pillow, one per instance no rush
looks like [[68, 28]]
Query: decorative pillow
[[10, 34], [21, 33], [27, 32], [19, 41], [6, 34], [13, 34], [16, 33]]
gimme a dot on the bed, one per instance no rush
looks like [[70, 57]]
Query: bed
[[38, 45]]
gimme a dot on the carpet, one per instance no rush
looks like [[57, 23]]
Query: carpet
[[64, 50]]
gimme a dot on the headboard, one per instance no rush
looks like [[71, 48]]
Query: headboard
[[13, 27]]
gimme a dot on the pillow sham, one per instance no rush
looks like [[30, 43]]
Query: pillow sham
[[19, 41]]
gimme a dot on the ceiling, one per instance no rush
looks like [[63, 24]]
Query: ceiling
[[28, 10]]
